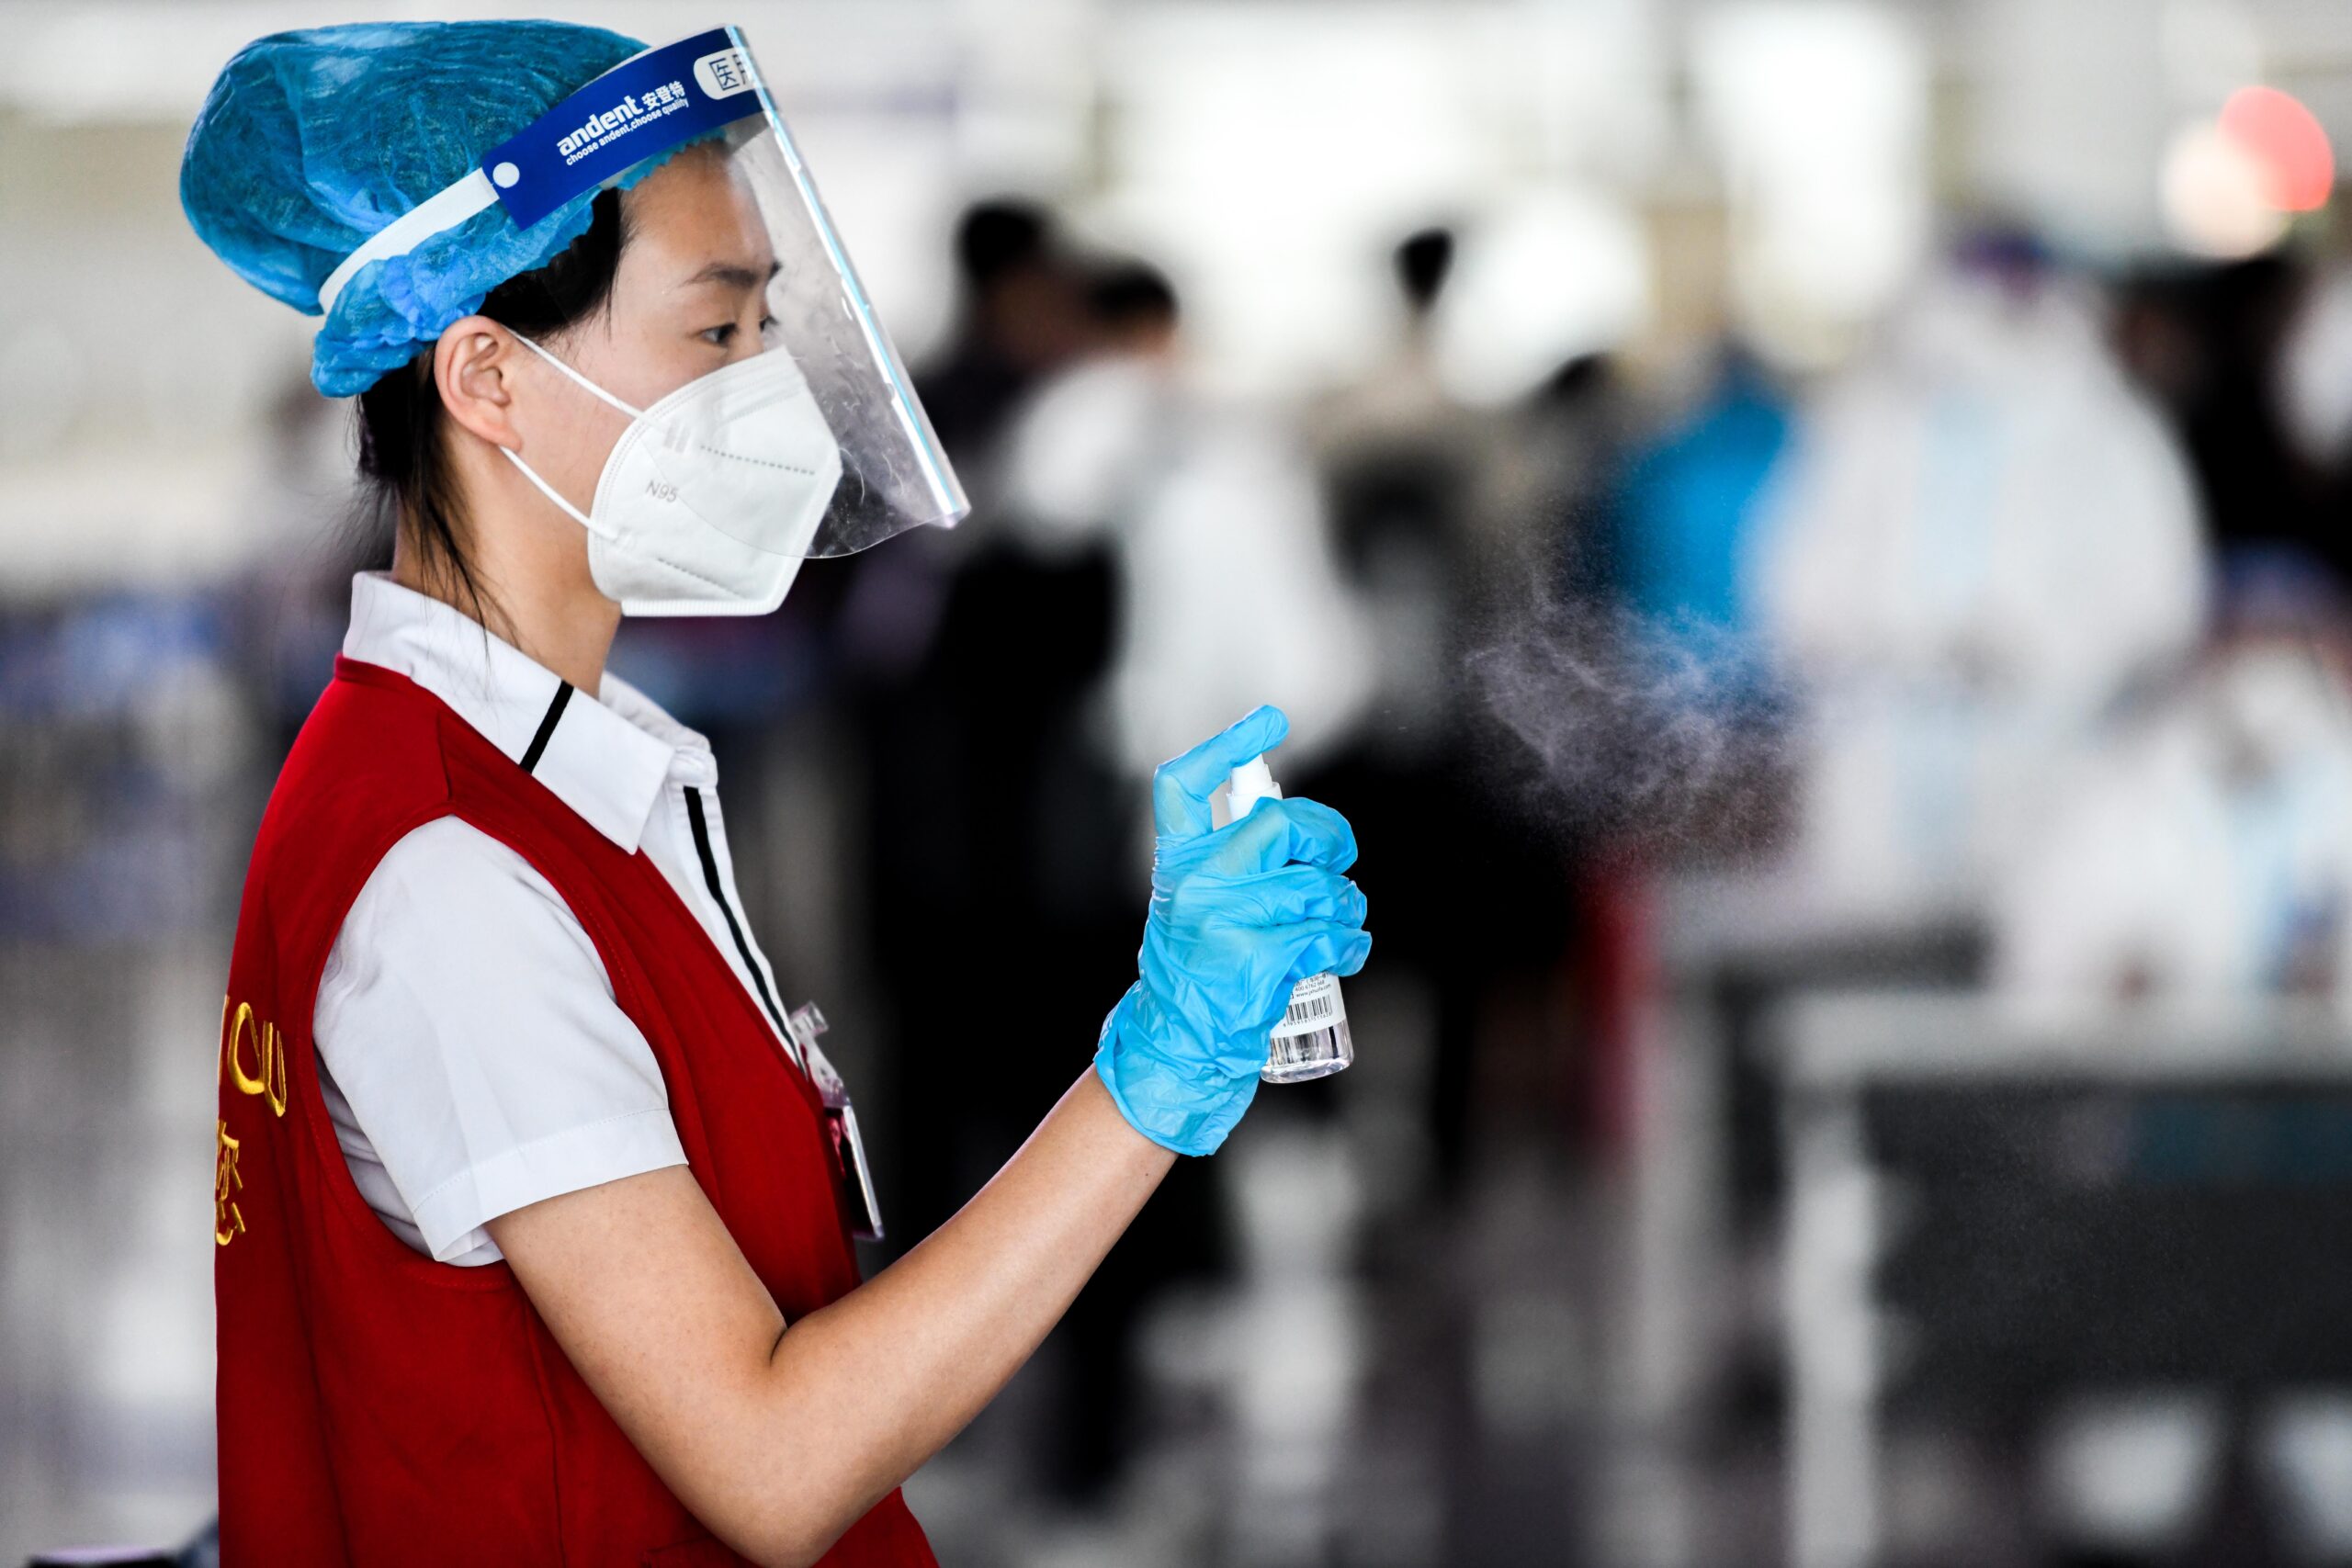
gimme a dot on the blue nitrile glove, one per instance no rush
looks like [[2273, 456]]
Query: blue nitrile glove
[[1239, 915]]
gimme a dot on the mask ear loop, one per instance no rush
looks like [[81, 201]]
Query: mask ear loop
[[544, 488], [586, 384], [549, 491]]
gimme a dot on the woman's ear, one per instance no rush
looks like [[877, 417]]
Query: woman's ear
[[473, 366]]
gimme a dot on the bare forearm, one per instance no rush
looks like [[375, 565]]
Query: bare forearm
[[887, 1374], [779, 1435]]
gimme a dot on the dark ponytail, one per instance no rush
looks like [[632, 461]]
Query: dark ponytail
[[402, 426]]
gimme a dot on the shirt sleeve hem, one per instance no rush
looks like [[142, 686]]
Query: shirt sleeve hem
[[618, 1146]]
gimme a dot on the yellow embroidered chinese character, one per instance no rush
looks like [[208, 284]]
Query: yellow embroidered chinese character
[[268, 1076], [227, 1218], [246, 1026], [273, 1067]]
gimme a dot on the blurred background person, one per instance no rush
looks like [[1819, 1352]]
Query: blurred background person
[[982, 793], [1949, 500], [2196, 859], [2198, 854], [1214, 521], [1019, 317]]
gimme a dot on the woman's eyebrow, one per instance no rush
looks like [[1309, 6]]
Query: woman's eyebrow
[[732, 274]]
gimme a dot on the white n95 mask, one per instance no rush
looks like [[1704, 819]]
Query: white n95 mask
[[712, 496]]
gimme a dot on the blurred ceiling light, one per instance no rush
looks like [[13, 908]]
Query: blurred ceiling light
[[2230, 182], [151, 62], [2216, 195], [1559, 273], [1262, 152], [2285, 140], [1818, 112]]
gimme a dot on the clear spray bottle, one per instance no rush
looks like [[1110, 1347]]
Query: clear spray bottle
[[1312, 1040]]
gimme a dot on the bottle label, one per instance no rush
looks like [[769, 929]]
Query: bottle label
[[1315, 1005]]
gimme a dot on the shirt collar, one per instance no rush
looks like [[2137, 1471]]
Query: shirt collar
[[607, 759]]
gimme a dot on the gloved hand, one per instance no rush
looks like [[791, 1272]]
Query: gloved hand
[[1239, 915]]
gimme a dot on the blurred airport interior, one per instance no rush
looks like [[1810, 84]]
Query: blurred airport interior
[[1805, 535]]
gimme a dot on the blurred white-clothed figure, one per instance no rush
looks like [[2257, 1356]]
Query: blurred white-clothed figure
[[1402, 463], [2314, 373], [2201, 856], [1983, 533], [1230, 596]]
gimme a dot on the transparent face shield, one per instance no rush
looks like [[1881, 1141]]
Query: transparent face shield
[[705, 95], [771, 419]]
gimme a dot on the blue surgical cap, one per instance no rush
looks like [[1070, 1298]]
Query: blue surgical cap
[[311, 142]]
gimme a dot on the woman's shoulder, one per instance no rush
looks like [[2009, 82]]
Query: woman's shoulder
[[370, 745], [465, 1018], [364, 769], [450, 906]]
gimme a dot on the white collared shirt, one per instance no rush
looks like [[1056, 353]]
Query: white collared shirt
[[471, 1053]]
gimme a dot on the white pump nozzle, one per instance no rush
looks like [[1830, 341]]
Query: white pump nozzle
[[1251, 783]]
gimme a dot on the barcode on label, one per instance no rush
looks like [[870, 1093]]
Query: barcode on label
[[1291, 1050], [1309, 1010]]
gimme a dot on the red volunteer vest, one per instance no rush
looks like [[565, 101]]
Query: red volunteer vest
[[375, 1406]]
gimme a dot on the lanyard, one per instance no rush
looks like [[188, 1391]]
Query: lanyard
[[851, 1172], [855, 1177]]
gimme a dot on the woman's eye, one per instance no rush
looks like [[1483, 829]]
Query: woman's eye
[[719, 336]]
